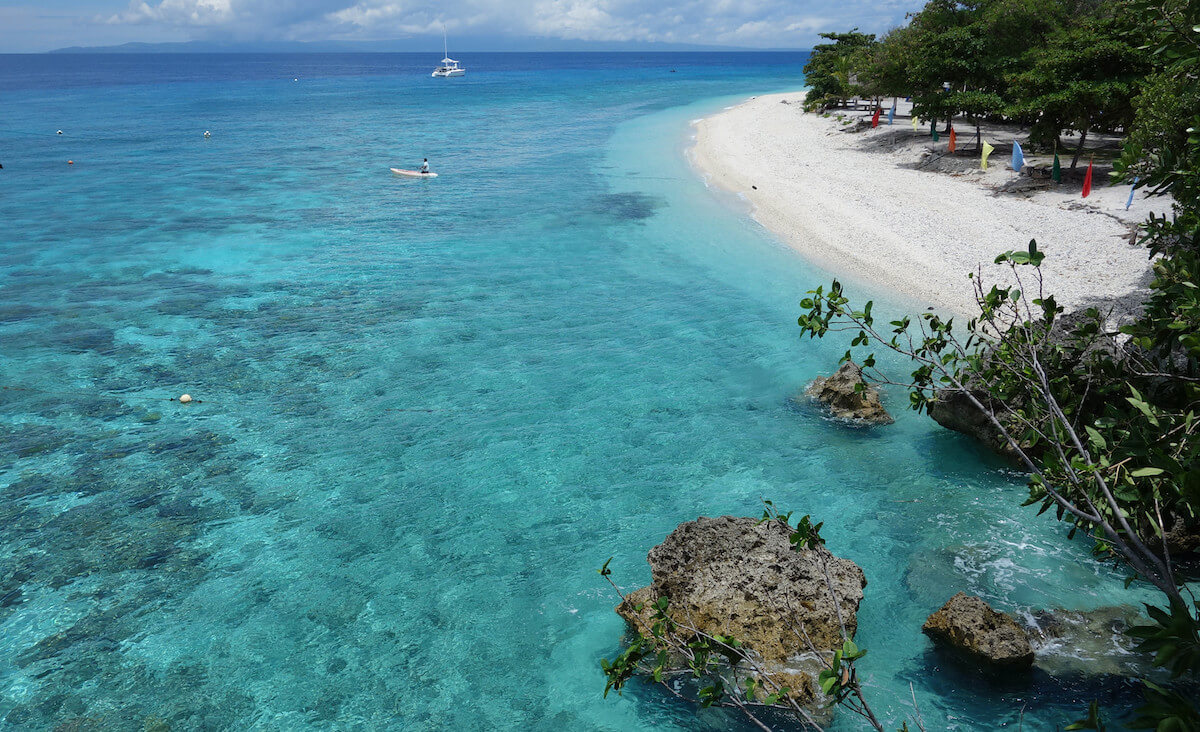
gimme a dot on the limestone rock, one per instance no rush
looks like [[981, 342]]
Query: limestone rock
[[954, 411], [844, 398], [968, 624], [740, 577]]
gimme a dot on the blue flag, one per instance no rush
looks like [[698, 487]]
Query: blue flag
[[892, 114], [1131, 190], [1018, 160]]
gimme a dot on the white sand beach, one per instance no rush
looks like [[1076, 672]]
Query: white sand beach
[[849, 203]]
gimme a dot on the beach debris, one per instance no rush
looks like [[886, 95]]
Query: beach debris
[[849, 396], [969, 625], [741, 576]]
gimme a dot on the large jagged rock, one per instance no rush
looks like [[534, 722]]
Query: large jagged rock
[[846, 399], [741, 577], [969, 625]]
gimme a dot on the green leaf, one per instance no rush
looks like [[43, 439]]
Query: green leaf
[[1146, 472]]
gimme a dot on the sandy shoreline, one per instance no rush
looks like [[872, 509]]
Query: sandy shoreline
[[860, 214]]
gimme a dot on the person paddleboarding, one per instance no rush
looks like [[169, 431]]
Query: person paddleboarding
[[425, 166]]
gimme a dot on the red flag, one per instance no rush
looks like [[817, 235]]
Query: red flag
[[875, 119], [953, 140], [1087, 181]]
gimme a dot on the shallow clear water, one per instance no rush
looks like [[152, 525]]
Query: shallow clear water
[[430, 408]]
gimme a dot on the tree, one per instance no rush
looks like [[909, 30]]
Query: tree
[[962, 53], [1083, 78], [883, 67], [831, 67]]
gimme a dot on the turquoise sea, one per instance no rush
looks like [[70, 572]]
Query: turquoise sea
[[431, 409]]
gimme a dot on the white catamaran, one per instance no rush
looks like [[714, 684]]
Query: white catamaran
[[449, 66]]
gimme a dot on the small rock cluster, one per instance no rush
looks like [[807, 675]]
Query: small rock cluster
[[849, 396]]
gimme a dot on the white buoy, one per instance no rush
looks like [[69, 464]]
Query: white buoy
[[295, 80], [58, 133], [185, 398], [207, 134]]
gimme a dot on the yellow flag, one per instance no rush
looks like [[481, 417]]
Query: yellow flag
[[915, 121], [987, 150]]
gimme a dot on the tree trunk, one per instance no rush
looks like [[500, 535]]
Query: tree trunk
[[1079, 150]]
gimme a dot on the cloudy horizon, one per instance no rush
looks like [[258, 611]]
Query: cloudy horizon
[[54, 24]]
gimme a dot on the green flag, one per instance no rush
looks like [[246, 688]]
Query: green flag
[[1056, 171], [933, 129]]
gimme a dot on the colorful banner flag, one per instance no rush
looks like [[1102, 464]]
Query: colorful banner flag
[[916, 121], [1087, 181], [875, 118], [1018, 158], [987, 150], [892, 114], [933, 131], [953, 140], [1131, 191]]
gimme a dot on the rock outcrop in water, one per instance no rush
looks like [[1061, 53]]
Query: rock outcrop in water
[[969, 625], [739, 577], [954, 410], [1087, 642], [849, 396]]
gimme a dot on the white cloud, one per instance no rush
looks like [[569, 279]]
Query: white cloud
[[177, 12], [780, 23]]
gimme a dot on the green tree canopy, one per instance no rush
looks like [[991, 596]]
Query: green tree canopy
[[832, 66], [1083, 78]]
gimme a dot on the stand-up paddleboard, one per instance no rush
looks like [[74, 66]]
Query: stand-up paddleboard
[[413, 173]]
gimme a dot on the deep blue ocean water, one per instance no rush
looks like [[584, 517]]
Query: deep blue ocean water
[[430, 409]]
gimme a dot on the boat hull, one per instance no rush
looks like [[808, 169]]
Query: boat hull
[[447, 74], [413, 173]]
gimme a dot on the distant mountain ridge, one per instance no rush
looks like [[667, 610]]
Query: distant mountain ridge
[[408, 45]]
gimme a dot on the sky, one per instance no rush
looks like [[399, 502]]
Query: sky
[[39, 25]]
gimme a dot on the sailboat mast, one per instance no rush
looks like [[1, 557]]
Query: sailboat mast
[[445, 48]]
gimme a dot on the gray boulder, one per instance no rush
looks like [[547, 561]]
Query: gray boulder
[[969, 625], [953, 410], [849, 396], [739, 577]]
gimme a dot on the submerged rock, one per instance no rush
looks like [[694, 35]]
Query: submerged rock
[[1086, 642], [849, 396], [968, 624], [741, 577]]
